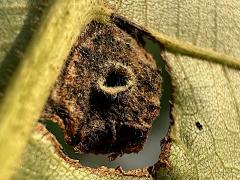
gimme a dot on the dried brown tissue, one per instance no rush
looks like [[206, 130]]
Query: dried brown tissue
[[107, 95]]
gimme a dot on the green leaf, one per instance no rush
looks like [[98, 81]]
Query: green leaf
[[204, 140], [202, 53]]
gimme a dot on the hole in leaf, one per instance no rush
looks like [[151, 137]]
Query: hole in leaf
[[150, 154]]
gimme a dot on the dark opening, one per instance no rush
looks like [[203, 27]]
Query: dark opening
[[199, 126], [115, 79]]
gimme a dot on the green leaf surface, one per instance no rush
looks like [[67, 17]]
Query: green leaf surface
[[12, 17], [205, 137], [17, 19], [203, 142]]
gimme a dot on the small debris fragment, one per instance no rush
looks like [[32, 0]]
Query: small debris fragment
[[199, 126]]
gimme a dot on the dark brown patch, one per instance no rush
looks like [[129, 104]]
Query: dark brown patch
[[107, 95], [199, 126], [165, 152]]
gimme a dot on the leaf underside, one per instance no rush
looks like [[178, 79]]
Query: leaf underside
[[205, 138]]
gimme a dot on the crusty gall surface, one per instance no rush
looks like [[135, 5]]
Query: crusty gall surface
[[107, 95]]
